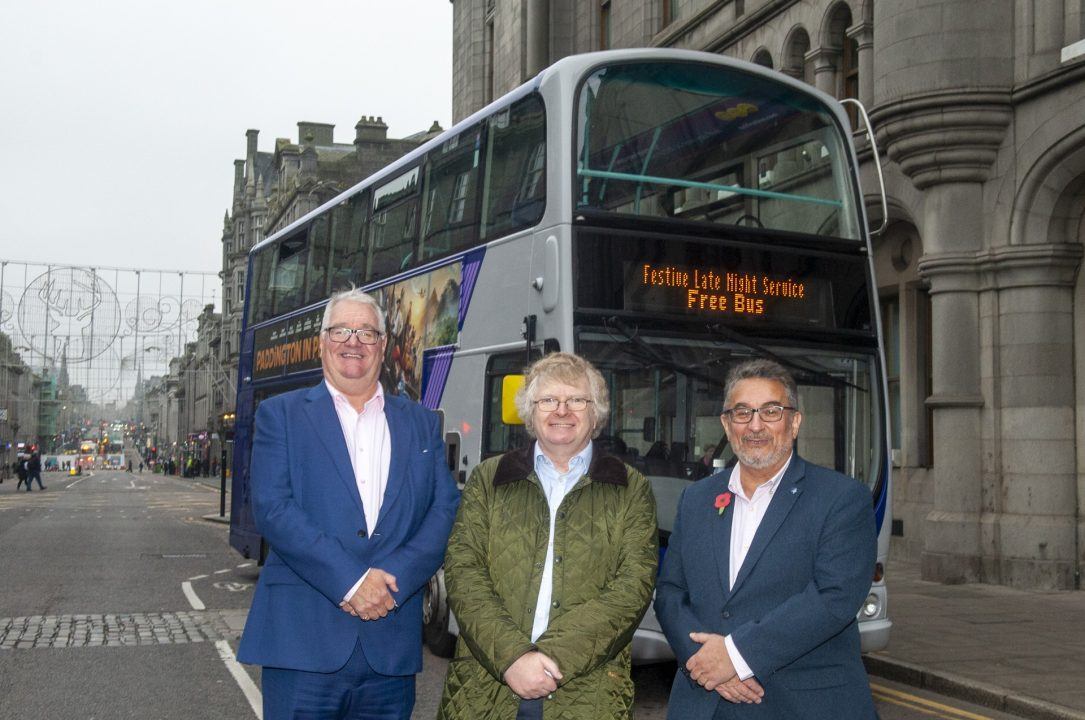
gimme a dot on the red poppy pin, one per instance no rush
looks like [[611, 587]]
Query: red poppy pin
[[722, 501]]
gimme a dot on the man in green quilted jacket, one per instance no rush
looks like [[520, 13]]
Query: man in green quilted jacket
[[551, 563]]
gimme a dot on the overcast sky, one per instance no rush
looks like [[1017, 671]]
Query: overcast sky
[[121, 119]]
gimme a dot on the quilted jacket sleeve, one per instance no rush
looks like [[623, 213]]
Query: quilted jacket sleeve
[[486, 626]]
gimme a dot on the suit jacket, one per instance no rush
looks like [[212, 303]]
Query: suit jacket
[[792, 610], [306, 505]]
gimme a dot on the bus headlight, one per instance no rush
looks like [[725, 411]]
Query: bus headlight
[[871, 606]]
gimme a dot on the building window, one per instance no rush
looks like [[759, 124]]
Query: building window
[[795, 63], [490, 82], [604, 24], [906, 323], [847, 64], [763, 58]]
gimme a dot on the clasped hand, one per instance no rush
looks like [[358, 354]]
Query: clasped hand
[[711, 668], [373, 598], [533, 675]]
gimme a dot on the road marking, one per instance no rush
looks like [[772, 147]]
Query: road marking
[[220, 572], [248, 687], [192, 597], [929, 707], [77, 482], [197, 577]]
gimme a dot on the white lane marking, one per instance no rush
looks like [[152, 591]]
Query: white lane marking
[[245, 565], [192, 597], [197, 577], [77, 482], [248, 687], [220, 572]]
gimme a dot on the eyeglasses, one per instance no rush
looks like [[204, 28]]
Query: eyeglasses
[[573, 404], [768, 413], [365, 336]]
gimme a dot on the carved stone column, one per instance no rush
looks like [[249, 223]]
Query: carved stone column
[[825, 62], [863, 35]]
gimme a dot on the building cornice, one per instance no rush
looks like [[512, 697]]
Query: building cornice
[[1002, 268], [675, 32], [1049, 82]]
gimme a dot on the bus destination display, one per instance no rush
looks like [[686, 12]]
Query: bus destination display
[[721, 291], [288, 346]]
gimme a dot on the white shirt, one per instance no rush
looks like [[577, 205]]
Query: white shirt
[[556, 486], [369, 445], [747, 516]]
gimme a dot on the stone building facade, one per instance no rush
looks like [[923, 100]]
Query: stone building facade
[[978, 107], [273, 189]]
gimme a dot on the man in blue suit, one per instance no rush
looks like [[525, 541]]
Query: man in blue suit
[[351, 492], [765, 571]]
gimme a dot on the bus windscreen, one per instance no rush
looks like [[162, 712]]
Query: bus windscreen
[[718, 145]]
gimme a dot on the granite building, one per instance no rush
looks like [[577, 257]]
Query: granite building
[[977, 107], [273, 189]]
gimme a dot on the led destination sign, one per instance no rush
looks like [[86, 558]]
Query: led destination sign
[[712, 281], [719, 291], [288, 346]]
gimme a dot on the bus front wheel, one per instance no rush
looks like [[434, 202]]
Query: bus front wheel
[[435, 618]]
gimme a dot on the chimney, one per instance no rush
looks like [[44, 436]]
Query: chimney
[[370, 129], [312, 133], [250, 146], [239, 176]]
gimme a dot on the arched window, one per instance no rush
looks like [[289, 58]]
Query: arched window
[[763, 58], [795, 65]]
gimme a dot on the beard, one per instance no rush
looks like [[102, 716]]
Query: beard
[[762, 458]]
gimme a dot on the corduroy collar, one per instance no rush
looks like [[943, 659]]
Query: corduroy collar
[[519, 464]]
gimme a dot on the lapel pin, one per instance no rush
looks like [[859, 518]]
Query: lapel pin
[[794, 491]]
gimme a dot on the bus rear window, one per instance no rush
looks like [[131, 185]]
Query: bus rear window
[[721, 145]]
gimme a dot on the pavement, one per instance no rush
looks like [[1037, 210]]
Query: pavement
[[1017, 651]]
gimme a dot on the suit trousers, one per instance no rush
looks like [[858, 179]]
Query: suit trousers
[[354, 692]]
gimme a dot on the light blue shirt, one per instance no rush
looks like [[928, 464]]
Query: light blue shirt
[[555, 486]]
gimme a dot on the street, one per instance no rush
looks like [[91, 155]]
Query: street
[[120, 600]]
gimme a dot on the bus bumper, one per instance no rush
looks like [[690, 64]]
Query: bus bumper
[[874, 634], [649, 643]]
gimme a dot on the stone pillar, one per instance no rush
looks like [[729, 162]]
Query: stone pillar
[[944, 126], [825, 62], [863, 35], [1029, 535], [538, 36]]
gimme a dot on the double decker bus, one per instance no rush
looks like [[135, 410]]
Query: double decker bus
[[664, 214]]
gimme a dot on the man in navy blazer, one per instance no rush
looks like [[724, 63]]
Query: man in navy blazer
[[765, 570], [351, 492]]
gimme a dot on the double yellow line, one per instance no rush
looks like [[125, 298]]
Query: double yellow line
[[927, 707]]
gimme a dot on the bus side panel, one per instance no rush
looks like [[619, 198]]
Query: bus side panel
[[243, 534]]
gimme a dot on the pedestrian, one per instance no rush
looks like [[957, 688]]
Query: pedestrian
[[141, 466], [766, 567], [21, 474], [129, 465], [551, 563], [351, 491], [33, 471]]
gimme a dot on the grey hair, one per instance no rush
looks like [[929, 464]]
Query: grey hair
[[761, 369], [356, 295], [568, 369]]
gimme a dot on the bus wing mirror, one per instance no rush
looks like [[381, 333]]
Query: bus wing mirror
[[510, 385], [648, 432]]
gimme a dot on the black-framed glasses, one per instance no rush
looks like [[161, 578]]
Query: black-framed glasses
[[366, 336], [573, 404], [767, 413]]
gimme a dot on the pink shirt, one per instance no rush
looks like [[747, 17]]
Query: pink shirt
[[369, 445]]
